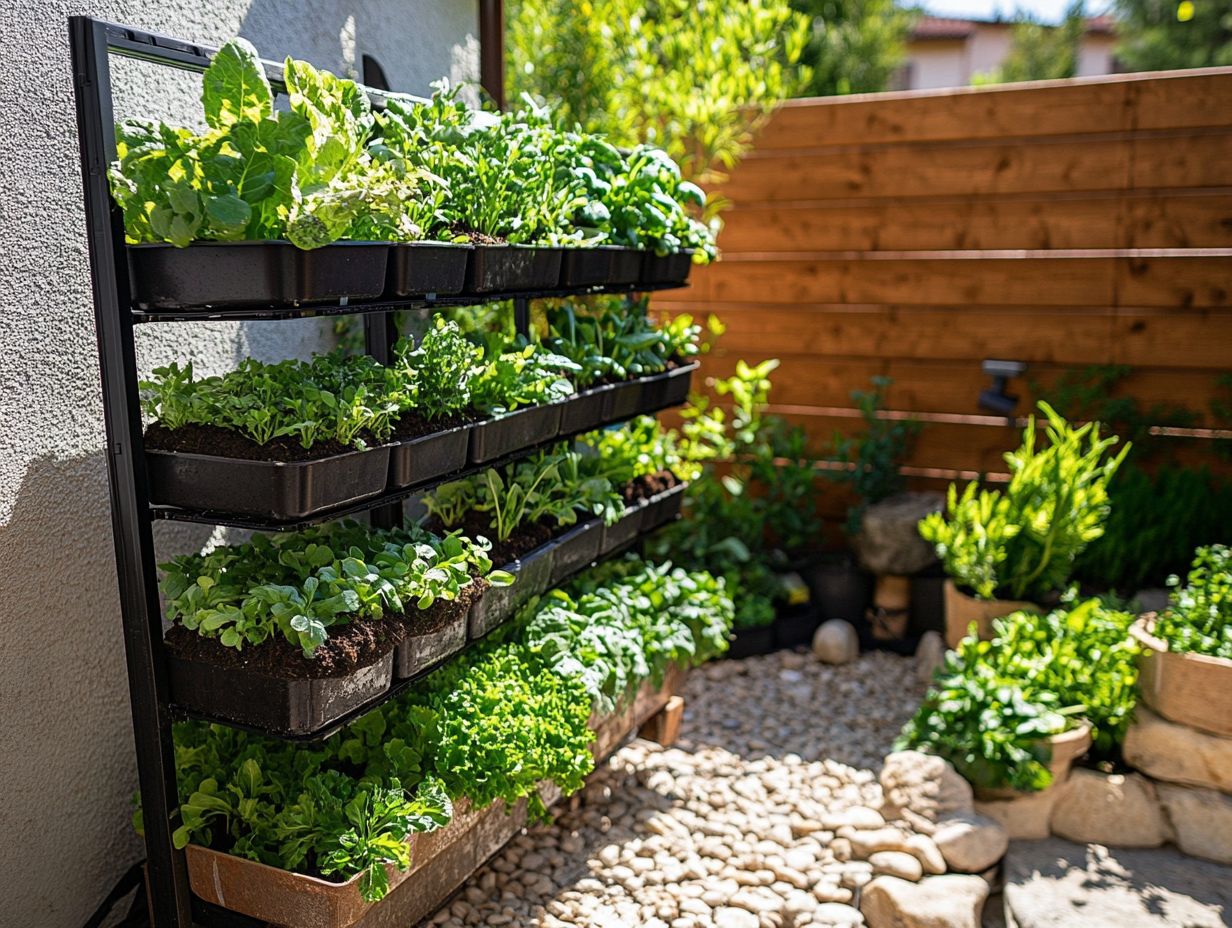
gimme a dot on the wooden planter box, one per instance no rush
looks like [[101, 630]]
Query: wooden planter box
[[1189, 689], [440, 860], [961, 610]]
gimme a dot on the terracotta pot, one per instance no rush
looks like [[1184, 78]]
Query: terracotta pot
[[1066, 748], [961, 610], [1189, 689]]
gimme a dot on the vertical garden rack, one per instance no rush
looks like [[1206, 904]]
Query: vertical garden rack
[[172, 905]]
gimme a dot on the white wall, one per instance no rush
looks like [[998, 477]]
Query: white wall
[[67, 770], [935, 64]]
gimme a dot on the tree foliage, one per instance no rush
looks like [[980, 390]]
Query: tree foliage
[[695, 77], [1158, 35], [854, 46], [1040, 52]]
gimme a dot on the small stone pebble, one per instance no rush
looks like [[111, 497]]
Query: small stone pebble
[[765, 814]]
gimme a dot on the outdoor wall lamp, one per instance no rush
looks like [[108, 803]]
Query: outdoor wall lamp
[[994, 398]]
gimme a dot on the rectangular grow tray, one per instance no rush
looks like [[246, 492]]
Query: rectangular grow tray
[[671, 268], [576, 549], [626, 265], [276, 705], [510, 268], [422, 268], [276, 490], [420, 460], [430, 642], [623, 531], [585, 267], [532, 575], [583, 412], [623, 401], [663, 508], [531, 425], [272, 273], [670, 388]]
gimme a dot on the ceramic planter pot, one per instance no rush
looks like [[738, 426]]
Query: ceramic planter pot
[[1189, 689], [1065, 748], [961, 610]]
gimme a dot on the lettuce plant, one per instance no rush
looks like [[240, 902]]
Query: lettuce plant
[[525, 375], [305, 174], [435, 377]]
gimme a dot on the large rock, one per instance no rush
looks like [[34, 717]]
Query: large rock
[[949, 901], [1056, 884], [896, 863], [1024, 817], [889, 540], [929, 655], [1119, 810], [836, 642], [1167, 751], [1201, 820], [922, 789], [970, 843]]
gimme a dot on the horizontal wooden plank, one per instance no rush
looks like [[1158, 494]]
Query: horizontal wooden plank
[[949, 387], [1109, 103], [1115, 220], [1180, 339], [966, 169], [1183, 282], [1192, 160], [921, 281], [1057, 335]]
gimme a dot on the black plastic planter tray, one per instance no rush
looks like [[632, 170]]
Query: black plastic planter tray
[[532, 575], [421, 647], [623, 401], [278, 706], [275, 490], [583, 412], [420, 268], [623, 531], [671, 388], [260, 273], [509, 268], [522, 428], [662, 508], [671, 268], [576, 549], [586, 267], [626, 266], [420, 460]]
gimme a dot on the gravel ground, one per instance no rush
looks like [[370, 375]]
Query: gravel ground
[[734, 827]]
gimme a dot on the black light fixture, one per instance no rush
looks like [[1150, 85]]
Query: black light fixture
[[994, 398]]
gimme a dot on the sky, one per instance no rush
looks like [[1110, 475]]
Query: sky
[[1048, 10]]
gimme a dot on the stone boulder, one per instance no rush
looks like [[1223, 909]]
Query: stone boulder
[[889, 540], [1025, 817], [836, 642], [929, 655], [921, 789], [970, 843], [950, 901], [1201, 821], [1118, 810], [1166, 751], [896, 863]]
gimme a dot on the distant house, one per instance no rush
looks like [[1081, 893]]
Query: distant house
[[945, 52]]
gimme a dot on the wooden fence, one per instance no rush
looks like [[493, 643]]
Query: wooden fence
[[912, 235]]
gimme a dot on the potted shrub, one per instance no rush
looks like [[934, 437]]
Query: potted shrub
[[1186, 658], [1008, 550]]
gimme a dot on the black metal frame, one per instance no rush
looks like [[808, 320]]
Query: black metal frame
[[172, 904]]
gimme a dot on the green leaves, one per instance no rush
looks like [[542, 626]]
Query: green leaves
[[234, 88], [1022, 543], [1199, 614]]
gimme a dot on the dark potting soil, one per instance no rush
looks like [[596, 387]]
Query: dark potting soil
[[645, 487], [477, 238], [219, 442], [416, 622], [413, 425], [348, 648], [525, 538]]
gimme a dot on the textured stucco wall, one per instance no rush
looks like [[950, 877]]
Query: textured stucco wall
[[67, 769]]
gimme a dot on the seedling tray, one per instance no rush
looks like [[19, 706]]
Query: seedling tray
[[671, 388], [275, 490], [522, 428], [623, 531], [626, 266], [420, 460], [429, 643], [623, 401], [583, 412], [509, 268], [576, 549], [662, 508], [532, 575], [671, 268], [273, 704], [420, 268], [209, 274]]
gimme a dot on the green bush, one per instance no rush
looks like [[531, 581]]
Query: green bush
[[1022, 542], [1199, 615]]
